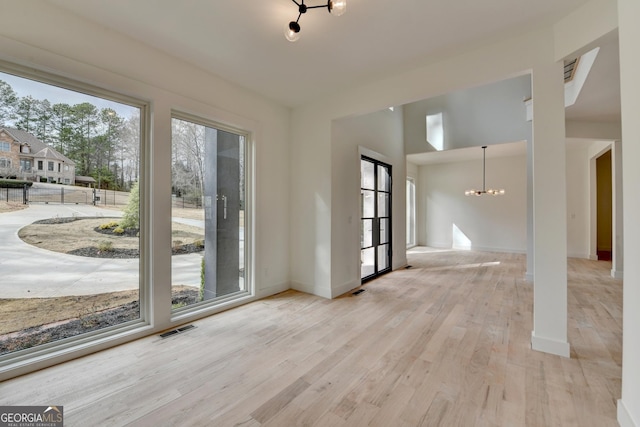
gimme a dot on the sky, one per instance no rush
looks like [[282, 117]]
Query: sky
[[24, 87]]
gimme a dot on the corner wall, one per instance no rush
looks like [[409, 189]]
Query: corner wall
[[629, 34]]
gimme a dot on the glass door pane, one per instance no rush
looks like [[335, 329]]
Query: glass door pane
[[375, 203]]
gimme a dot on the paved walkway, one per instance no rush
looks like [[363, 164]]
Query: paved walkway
[[27, 271]]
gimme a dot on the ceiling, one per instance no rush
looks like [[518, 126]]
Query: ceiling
[[243, 41]]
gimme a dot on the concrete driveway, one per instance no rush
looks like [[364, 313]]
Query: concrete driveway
[[30, 272]]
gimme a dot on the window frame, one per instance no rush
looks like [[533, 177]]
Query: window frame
[[29, 359]]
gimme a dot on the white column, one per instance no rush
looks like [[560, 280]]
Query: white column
[[616, 214], [549, 211], [629, 34]]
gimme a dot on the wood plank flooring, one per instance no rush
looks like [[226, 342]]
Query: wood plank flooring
[[444, 343]]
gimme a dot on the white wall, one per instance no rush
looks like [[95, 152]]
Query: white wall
[[493, 223], [578, 200], [377, 135], [66, 45], [629, 33], [488, 114]]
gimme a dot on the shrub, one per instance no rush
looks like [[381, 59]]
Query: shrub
[[14, 183], [111, 224], [105, 246], [118, 230], [131, 217], [198, 243]]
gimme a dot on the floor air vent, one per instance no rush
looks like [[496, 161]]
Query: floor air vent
[[359, 291], [176, 331]]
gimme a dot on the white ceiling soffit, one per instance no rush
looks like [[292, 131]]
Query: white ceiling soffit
[[243, 41], [510, 149]]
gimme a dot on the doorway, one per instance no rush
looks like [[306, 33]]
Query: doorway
[[604, 200], [375, 212]]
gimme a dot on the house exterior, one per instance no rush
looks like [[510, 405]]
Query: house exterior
[[23, 156]]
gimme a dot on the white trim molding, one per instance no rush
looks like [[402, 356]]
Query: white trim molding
[[547, 345], [624, 417]]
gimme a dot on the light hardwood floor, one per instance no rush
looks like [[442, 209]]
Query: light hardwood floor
[[445, 343]]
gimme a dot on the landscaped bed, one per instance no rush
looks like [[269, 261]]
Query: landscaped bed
[[83, 236], [27, 322]]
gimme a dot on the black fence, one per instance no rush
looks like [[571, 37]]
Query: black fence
[[80, 195], [64, 195], [15, 195], [186, 202]]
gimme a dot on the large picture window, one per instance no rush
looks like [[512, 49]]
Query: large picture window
[[70, 256], [209, 222]]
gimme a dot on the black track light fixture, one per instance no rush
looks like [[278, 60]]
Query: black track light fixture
[[335, 7]]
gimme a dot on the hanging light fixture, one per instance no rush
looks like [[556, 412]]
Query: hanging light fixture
[[335, 7], [490, 191]]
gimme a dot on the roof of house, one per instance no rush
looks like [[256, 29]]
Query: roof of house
[[81, 178], [38, 148]]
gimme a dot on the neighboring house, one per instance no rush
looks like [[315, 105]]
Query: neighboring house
[[24, 156]]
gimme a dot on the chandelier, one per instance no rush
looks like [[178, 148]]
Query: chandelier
[[490, 191], [335, 7]]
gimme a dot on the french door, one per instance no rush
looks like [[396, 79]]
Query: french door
[[375, 212]]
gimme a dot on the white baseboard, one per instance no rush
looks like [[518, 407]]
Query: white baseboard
[[617, 274], [546, 345], [344, 288], [272, 290], [321, 292], [624, 417]]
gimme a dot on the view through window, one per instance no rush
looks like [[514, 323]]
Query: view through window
[[208, 213], [69, 224]]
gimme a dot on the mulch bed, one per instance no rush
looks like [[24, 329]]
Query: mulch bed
[[92, 322], [116, 253], [130, 253]]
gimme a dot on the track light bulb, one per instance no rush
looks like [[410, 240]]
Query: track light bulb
[[292, 31], [337, 7]]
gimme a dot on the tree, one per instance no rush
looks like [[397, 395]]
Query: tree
[[129, 151], [8, 101], [62, 127], [188, 152], [81, 149], [27, 114]]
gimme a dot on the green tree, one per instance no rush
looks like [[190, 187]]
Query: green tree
[[81, 149], [43, 116], [62, 123], [27, 114]]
